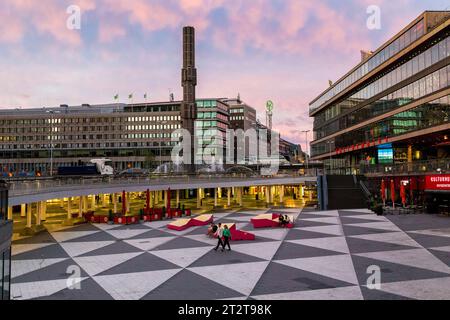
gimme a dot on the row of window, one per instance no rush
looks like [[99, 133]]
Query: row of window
[[424, 116], [416, 90], [437, 52], [392, 49]]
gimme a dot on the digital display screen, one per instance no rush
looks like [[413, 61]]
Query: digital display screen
[[385, 156]]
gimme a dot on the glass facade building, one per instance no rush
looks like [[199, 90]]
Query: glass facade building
[[399, 95], [5, 244]]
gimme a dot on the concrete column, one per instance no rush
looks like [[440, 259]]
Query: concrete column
[[43, 210], [152, 194], [128, 202], [216, 191], [80, 207], [166, 196], [104, 200], [241, 191], [93, 202], [85, 203], [38, 214], [228, 196], [23, 208], [178, 198], [281, 190], [199, 197], [69, 208], [115, 203], [29, 215], [267, 195], [219, 193], [10, 213]]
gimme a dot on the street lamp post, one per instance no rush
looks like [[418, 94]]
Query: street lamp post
[[306, 146]]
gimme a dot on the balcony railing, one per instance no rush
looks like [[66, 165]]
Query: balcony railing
[[418, 167]]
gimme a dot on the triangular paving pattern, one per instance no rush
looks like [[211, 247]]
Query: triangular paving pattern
[[149, 243], [141, 263], [362, 246], [134, 286], [240, 277], [274, 234], [187, 285], [182, 257], [290, 250], [399, 238], [262, 250], [425, 289], [54, 271], [433, 232], [380, 225], [47, 252], [342, 293], [307, 223], [338, 267], [68, 235], [295, 234], [391, 272], [428, 241], [335, 230], [179, 243], [419, 258], [279, 278], [202, 238], [42, 237], [20, 267], [349, 213], [126, 233], [370, 217], [338, 244], [356, 230], [96, 264], [94, 237], [22, 248], [25, 291], [374, 294], [153, 233], [330, 220], [356, 221], [217, 258], [114, 248], [89, 290], [75, 249]]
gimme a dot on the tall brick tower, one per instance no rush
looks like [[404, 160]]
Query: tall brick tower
[[188, 82]]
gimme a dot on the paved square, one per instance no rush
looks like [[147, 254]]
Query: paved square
[[326, 256]]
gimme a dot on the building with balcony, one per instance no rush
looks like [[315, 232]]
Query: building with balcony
[[393, 108]]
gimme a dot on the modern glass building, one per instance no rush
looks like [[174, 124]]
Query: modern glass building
[[393, 108], [32, 141], [5, 244]]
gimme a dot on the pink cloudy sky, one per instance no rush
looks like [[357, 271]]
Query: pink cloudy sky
[[283, 50]]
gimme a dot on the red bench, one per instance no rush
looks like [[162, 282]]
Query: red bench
[[270, 220]]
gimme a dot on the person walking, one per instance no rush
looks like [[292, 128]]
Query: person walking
[[219, 235], [226, 237]]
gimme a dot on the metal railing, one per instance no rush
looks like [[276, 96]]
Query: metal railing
[[19, 187], [416, 167]]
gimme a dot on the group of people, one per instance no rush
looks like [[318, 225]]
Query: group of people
[[223, 235], [284, 220]]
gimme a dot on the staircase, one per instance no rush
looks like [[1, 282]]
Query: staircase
[[346, 192]]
